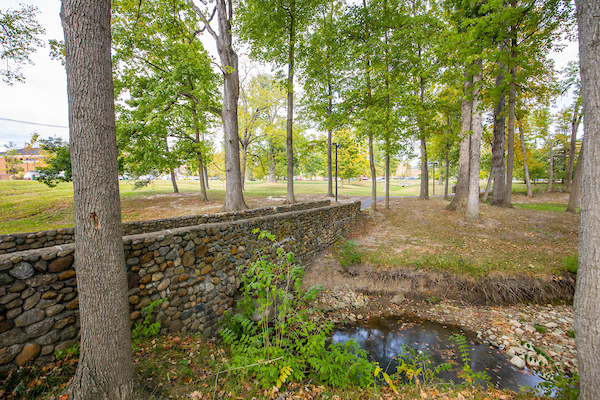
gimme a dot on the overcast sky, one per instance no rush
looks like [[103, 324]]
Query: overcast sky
[[42, 99]]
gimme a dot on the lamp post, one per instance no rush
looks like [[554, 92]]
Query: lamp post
[[336, 168]]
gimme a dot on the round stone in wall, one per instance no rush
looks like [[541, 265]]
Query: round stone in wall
[[23, 270]]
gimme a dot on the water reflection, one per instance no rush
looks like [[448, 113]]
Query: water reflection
[[384, 338]]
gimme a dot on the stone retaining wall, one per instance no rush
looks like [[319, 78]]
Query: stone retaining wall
[[36, 240], [196, 269]]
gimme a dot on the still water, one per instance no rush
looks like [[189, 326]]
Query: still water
[[384, 339]]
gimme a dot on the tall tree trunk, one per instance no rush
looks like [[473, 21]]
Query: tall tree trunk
[[203, 194], [424, 192], [512, 94], [206, 176], [488, 186], [573, 204], [447, 170], [289, 198], [234, 197], [171, 170], [472, 211], [387, 174], [459, 202], [105, 369], [525, 164], [271, 178], [369, 106], [174, 181], [329, 137], [587, 292], [575, 121], [373, 172], [498, 147], [243, 162], [550, 162]]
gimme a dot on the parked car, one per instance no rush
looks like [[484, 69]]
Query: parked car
[[31, 175]]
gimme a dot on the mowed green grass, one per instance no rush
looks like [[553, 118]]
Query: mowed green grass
[[29, 206]]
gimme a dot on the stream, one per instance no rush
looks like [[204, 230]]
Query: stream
[[384, 339]]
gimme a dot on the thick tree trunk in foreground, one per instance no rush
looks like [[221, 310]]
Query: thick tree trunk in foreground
[[472, 211], [498, 148], [105, 369], [525, 165], [459, 202], [573, 204], [575, 121], [587, 292]]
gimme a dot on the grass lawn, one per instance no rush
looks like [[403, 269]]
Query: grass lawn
[[29, 206]]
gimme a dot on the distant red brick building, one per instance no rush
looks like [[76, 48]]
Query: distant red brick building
[[25, 160]]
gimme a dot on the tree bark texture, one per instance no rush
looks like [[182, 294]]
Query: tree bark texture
[[498, 147], [587, 292], [289, 197], [447, 171], [573, 204], [550, 162], [105, 369], [234, 197], [459, 202], [488, 186], [172, 171], [472, 211], [272, 177], [203, 194], [329, 137], [575, 121], [424, 190], [525, 164], [512, 94]]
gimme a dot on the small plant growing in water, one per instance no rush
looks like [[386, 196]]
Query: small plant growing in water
[[416, 367], [467, 374]]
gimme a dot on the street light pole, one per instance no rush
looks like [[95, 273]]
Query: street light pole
[[336, 168]]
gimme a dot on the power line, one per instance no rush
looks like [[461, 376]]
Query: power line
[[33, 123]]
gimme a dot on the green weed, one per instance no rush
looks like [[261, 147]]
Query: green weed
[[571, 263], [347, 252], [276, 338]]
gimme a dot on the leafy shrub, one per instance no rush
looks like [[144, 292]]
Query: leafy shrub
[[147, 328], [273, 339], [571, 263], [71, 352], [347, 252]]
